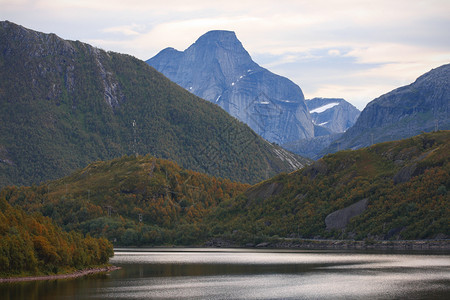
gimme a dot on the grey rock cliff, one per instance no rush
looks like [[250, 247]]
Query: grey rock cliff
[[218, 68]]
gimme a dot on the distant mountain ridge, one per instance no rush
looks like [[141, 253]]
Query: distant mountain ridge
[[218, 68], [66, 104], [422, 106]]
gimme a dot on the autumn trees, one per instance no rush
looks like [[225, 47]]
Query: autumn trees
[[31, 244]]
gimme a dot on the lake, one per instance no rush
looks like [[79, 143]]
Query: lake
[[174, 273]]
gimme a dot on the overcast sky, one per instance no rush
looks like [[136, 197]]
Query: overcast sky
[[352, 49]]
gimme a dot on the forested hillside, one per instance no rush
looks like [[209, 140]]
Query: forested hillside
[[31, 244], [131, 201], [65, 104], [392, 190]]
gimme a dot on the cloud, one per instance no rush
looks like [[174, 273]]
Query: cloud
[[334, 52], [128, 30]]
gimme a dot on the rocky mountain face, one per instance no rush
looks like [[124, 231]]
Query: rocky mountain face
[[333, 113], [218, 68], [65, 104], [422, 106]]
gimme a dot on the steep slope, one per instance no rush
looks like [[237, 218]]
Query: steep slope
[[333, 113], [218, 68], [421, 106], [130, 200], [392, 190], [65, 104]]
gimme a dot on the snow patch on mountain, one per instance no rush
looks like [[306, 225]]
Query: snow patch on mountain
[[323, 108]]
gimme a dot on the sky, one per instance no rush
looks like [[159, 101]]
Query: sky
[[351, 49]]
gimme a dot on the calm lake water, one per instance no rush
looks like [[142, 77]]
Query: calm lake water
[[252, 274]]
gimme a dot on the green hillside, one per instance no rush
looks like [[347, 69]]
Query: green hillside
[[399, 190], [33, 245], [65, 104], [131, 201], [394, 190]]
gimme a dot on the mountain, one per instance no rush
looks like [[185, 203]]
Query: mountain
[[66, 104], [333, 113], [391, 190], [218, 68], [421, 106], [331, 118]]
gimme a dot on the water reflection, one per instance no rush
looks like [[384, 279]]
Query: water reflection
[[75, 288], [237, 274]]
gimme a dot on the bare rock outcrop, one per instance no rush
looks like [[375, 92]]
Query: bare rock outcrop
[[340, 218]]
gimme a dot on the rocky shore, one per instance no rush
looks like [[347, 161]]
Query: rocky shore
[[311, 244], [76, 274]]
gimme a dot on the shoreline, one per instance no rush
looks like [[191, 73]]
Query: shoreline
[[75, 274], [311, 244]]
